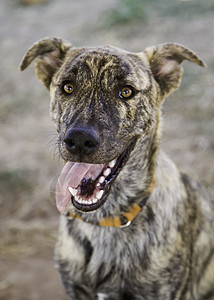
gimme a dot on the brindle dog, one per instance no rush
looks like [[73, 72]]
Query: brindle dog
[[132, 226]]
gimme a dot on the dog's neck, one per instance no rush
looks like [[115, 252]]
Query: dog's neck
[[137, 178]]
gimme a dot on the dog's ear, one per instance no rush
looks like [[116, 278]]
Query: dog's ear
[[49, 54], [165, 63]]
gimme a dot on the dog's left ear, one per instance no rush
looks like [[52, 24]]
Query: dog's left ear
[[49, 54], [165, 63]]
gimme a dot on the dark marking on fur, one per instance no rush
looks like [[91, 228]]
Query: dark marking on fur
[[127, 296], [102, 277], [88, 250], [208, 295]]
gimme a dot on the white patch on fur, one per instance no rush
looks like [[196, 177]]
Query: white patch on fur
[[102, 296], [66, 248]]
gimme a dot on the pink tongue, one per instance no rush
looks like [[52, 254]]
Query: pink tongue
[[71, 176]]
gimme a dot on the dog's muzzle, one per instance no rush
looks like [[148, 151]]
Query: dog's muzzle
[[87, 185]]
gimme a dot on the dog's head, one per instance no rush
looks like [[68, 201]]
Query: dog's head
[[103, 100]]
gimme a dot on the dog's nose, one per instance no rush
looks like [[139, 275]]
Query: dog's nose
[[81, 141]]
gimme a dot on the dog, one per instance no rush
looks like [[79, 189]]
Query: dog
[[133, 227]]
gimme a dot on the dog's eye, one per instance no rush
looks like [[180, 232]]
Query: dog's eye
[[68, 88], [126, 92]]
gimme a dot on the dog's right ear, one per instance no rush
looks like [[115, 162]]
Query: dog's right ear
[[49, 54]]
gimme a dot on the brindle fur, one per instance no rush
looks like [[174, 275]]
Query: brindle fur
[[167, 251]]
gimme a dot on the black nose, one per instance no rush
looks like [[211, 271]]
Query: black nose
[[81, 141]]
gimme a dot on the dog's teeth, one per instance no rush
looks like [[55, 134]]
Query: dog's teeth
[[85, 202], [99, 194], [89, 201], [107, 172], [112, 163], [101, 179], [73, 191], [78, 199], [94, 200]]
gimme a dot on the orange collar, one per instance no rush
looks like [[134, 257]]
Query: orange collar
[[122, 220]]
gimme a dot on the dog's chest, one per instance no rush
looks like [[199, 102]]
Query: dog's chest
[[115, 256]]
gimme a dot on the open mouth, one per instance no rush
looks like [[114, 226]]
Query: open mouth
[[87, 185]]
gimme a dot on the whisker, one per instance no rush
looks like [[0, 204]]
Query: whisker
[[51, 145], [57, 152], [47, 135]]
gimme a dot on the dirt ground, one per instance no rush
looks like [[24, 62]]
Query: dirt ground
[[28, 157]]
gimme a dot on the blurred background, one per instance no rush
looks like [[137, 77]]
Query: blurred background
[[29, 159]]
